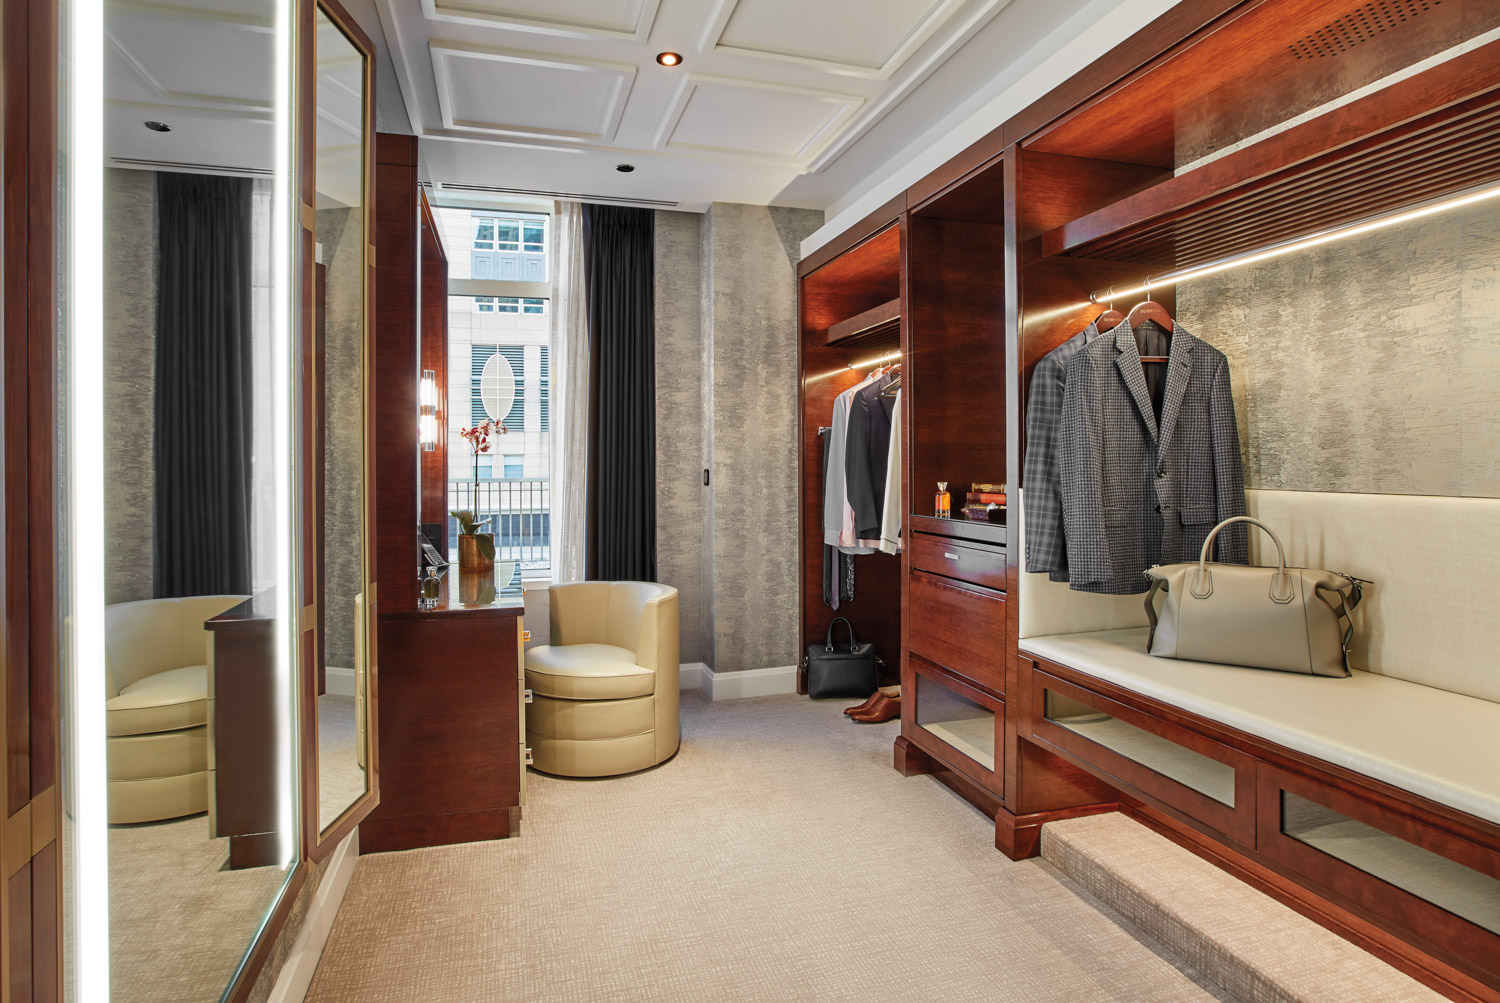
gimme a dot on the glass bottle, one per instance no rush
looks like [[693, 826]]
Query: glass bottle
[[430, 588], [944, 505]]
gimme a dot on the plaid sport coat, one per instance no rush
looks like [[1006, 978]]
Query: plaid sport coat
[[1136, 492], [1046, 544]]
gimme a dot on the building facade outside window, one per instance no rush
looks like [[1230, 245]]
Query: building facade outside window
[[499, 370]]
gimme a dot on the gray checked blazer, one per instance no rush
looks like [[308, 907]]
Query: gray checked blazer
[[1046, 545], [1135, 494]]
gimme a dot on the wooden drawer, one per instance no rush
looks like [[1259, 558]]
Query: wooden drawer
[[959, 725], [969, 562], [960, 627]]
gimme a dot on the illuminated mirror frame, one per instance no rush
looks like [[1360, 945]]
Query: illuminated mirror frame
[[82, 374], [321, 843]]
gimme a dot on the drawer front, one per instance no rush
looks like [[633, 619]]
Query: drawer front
[[959, 559], [960, 628], [959, 725]]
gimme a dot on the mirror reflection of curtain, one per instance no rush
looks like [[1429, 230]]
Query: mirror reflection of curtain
[[204, 380]]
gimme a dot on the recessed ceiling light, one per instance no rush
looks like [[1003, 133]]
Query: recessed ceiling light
[[158, 127], [668, 58], [624, 168]]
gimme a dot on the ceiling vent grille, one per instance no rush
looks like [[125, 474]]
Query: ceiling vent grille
[[1359, 26], [540, 194]]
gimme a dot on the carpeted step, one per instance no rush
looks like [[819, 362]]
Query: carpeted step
[[1243, 940]]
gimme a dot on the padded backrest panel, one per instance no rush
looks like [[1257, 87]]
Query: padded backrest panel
[[154, 635], [1435, 561], [579, 613], [627, 607], [1048, 607]]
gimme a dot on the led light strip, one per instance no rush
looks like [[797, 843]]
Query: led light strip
[[84, 387], [284, 236], [1292, 246]]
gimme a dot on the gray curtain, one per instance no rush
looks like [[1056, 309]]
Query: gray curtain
[[620, 261], [203, 419]]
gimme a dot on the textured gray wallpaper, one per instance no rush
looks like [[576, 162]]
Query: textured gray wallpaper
[[342, 239], [751, 318], [680, 499], [129, 382], [1367, 365]]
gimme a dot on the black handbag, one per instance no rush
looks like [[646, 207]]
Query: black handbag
[[835, 670]]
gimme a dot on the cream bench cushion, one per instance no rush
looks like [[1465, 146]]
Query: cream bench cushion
[[587, 672], [1431, 742]]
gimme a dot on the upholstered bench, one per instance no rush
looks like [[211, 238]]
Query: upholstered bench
[[1439, 745]]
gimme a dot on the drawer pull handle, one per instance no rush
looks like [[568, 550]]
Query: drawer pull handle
[[527, 696], [951, 557], [529, 760]]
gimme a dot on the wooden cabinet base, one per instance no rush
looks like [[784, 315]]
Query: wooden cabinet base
[[259, 849], [1019, 837], [414, 831], [911, 761]]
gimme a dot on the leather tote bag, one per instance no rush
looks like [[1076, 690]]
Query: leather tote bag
[[841, 670], [1288, 619]]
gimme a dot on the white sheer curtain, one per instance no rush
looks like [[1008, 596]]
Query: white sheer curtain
[[570, 392]]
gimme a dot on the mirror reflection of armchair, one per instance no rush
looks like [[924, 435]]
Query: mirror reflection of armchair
[[157, 656]]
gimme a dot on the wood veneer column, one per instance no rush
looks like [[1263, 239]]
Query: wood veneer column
[[396, 360], [434, 356]]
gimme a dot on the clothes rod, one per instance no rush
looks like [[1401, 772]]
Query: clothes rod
[[1286, 247]]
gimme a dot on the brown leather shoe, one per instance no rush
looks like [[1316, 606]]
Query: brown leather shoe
[[890, 691], [882, 710]]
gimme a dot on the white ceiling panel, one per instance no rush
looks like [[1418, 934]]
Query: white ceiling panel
[[755, 119], [185, 57], [868, 38], [630, 19], [521, 94]]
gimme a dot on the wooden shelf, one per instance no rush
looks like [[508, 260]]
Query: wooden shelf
[[881, 323], [1330, 171], [963, 529]]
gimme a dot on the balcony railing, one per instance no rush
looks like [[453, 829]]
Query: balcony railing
[[519, 513]]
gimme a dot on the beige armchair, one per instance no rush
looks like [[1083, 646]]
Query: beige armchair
[[605, 689], [156, 656]]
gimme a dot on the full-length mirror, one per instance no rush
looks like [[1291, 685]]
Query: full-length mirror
[[340, 322], [197, 470]]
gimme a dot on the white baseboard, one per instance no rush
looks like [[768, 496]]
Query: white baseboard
[[297, 974], [691, 676], [338, 682], [749, 683]]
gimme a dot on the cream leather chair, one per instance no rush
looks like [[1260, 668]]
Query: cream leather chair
[[605, 689], [156, 656]]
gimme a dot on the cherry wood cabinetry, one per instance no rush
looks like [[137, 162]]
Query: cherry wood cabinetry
[[1168, 152]]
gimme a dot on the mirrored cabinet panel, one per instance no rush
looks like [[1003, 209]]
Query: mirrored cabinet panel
[[338, 382], [180, 476]]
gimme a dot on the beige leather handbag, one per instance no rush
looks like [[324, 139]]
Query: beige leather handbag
[[1289, 619]]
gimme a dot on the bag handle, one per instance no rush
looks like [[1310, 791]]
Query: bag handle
[[1282, 590], [828, 642]]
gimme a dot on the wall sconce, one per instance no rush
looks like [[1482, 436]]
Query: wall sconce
[[427, 413]]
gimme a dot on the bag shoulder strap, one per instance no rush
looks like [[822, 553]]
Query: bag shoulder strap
[[1156, 586]]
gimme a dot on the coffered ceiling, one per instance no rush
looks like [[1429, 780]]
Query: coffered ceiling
[[551, 95]]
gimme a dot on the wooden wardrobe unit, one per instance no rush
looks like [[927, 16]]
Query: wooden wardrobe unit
[[1160, 155]]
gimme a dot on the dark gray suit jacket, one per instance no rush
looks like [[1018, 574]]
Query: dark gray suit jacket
[[1135, 494]]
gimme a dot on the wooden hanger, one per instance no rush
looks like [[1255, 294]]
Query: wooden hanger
[[1150, 310]]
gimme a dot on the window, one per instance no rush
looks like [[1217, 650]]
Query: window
[[497, 375], [509, 304], [515, 466], [512, 247]]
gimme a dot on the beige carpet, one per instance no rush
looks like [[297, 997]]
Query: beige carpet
[[1247, 942], [179, 921], [341, 780], [777, 857]]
